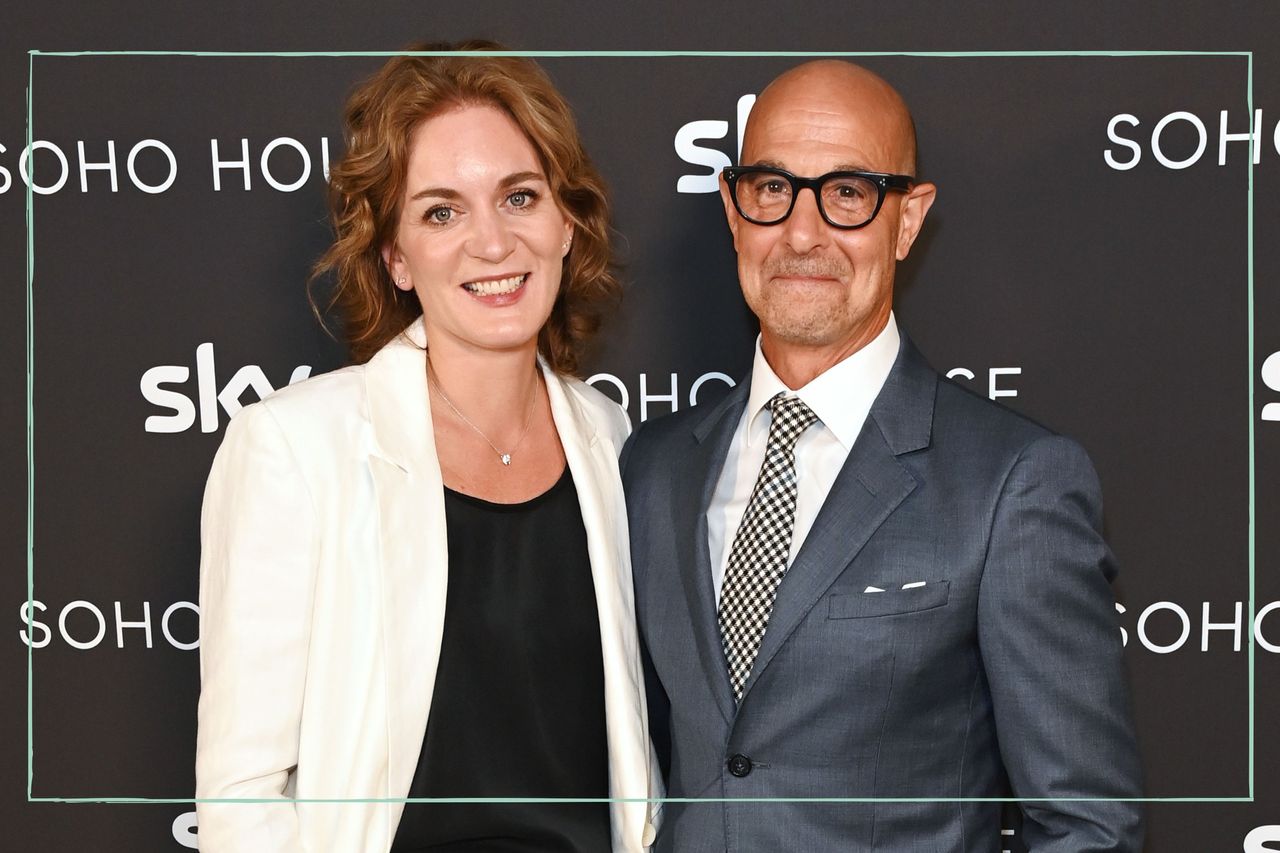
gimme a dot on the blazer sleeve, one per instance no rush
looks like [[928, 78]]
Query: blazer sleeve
[[1053, 656], [257, 575]]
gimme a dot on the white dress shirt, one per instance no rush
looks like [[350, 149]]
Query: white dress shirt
[[841, 397]]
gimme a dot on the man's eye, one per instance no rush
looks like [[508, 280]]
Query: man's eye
[[775, 187]]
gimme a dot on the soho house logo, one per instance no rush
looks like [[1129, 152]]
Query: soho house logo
[[1169, 135], [152, 166]]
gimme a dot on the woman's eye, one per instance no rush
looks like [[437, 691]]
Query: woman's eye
[[439, 215], [522, 198]]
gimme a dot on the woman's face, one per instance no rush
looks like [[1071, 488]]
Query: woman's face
[[480, 238]]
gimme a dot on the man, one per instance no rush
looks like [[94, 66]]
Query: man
[[853, 578]]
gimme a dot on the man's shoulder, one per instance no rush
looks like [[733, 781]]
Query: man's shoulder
[[958, 404], [675, 423], [664, 442], [967, 423], [689, 424]]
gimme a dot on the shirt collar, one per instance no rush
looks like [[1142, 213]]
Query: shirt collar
[[841, 396]]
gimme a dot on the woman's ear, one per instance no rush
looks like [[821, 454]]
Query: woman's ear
[[394, 262]]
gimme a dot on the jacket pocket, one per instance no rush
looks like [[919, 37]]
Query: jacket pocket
[[891, 602]]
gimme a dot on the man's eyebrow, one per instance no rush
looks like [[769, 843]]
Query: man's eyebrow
[[451, 194]]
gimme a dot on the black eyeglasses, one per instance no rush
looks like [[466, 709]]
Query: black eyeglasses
[[848, 200]]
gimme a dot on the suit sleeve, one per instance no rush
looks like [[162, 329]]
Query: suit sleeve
[[657, 705], [257, 570], [1053, 657], [624, 456]]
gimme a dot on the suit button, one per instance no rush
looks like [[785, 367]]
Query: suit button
[[739, 765]]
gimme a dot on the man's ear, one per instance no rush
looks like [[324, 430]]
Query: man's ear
[[914, 209], [394, 262], [730, 212]]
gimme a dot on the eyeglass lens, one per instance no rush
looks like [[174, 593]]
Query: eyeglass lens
[[846, 200]]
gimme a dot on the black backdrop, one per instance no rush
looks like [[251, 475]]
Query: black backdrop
[[1087, 262]]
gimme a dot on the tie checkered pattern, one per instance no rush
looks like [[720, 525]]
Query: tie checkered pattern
[[758, 558]]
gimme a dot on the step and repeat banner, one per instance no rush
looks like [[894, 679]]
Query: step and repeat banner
[[1102, 257]]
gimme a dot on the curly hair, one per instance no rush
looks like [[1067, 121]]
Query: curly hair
[[366, 188]]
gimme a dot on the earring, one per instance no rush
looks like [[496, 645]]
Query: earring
[[567, 244], [400, 281]]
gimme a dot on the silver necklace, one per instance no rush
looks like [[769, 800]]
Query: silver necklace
[[505, 457]]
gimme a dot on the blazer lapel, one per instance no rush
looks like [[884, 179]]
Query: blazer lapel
[[871, 485], [413, 548], [713, 436], [593, 462]]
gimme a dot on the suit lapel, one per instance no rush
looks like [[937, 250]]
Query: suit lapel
[[871, 485], [413, 548], [713, 436]]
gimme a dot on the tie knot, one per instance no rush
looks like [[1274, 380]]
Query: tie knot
[[791, 417]]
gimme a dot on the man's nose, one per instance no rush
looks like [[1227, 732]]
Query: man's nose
[[805, 227], [491, 237]]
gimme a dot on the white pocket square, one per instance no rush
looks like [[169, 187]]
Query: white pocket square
[[912, 585]]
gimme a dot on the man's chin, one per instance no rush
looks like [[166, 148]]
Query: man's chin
[[815, 326], [807, 336]]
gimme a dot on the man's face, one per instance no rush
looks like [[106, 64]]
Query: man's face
[[810, 284]]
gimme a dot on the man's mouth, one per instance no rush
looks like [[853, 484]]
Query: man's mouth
[[805, 278], [807, 268], [496, 286]]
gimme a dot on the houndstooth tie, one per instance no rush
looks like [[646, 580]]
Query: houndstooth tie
[[758, 558]]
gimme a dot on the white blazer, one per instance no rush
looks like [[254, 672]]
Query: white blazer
[[322, 592]]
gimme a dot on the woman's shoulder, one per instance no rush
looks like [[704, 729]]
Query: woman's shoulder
[[319, 396], [328, 404], [607, 416]]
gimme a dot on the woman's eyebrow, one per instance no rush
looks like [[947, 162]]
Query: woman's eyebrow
[[521, 178], [447, 193], [438, 192]]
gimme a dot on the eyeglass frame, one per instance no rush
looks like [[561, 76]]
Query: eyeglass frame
[[884, 181]]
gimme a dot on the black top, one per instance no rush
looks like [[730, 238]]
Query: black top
[[518, 708]]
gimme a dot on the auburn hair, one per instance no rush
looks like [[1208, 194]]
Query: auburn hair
[[367, 186]]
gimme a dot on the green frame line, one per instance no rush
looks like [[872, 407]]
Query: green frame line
[[642, 54], [1252, 543], [646, 54], [31, 429]]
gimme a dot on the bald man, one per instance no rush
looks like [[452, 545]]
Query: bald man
[[854, 578]]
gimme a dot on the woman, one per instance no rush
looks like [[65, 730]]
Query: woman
[[415, 579]]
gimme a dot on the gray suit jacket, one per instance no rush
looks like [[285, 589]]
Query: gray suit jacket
[[1002, 676]]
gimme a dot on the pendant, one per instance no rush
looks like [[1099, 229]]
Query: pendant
[[506, 459]]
